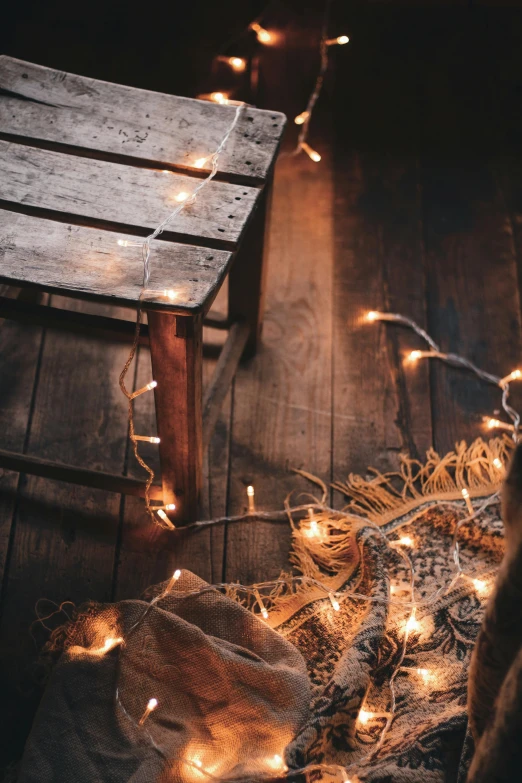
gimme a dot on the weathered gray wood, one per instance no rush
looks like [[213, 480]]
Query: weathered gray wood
[[88, 263], [167, 129], [225, 370], [23, 463], [126, 195]]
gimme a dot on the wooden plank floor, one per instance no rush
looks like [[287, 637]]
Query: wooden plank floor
[[416, 207]]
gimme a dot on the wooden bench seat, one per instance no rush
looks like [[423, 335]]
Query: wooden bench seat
[[85, 163]]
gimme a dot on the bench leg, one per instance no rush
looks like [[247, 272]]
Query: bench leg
[[246, 286], [176, 353]]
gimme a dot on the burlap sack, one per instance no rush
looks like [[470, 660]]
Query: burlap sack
[[231, 695]]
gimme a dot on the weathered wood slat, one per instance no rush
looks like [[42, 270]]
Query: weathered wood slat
[[169, 130], [34, 466], [115, 193], [88, 262]]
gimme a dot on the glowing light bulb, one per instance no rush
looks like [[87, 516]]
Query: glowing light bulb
[[425, 674], [164, 517], [480, 586], [128, 243], [261, 605], [341, 40], [414, 355], [170, 506], [513, 376], [151, 706], [182, 196], [250, 495], [302, 118], [406, 541], [263, 36], [165, 171], [334, 602], [497, 463], [412, 624], [200, 162], [364, 716], [312, 154], [465, 495], [219, 97], [237, 63], [148, 387], [147, 438], [173, 579], [277, 763], [372, 315], [170, 294]]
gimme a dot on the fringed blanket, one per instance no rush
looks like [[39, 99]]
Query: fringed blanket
[[346, 678]]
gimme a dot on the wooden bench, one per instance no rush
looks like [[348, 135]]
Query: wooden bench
[[85, 163]]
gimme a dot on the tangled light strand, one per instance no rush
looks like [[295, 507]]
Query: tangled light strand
[[455, 360], [146, 250]]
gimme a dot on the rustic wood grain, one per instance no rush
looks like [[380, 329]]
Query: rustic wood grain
[[116, 193], [166, 129], [176, 354], [63, 537], [88, 262]]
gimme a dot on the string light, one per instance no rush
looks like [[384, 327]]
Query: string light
[[310, 152], [250, 496], [174, 578], [412, 624], [182, 196], [480, 586], [151, 706], [263, 36], [277, 763], [426, 675], [334, 602], [261, 605], [219, 97], [497, 463], [406, 541], [170, 294], [465, 495], [200, 162], [148, 387], [301, 118], [164, 518], [128, 243], [455, 360], [341, 40], [364, 716], [236, 63], [147, 438]]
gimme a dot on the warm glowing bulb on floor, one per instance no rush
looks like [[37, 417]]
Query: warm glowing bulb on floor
[[312, 154], [516, 375], [497, 463], [128, 243], [334, 602], [425, 674], [406, 541], [412, 624], [302, 118], [372, 315], [237, 63], [170, 294], [263, 36], [261, 605], [413, 356], [151, 706], [364, 716], [147, 438], [174, 578], [480, 586], [341, 40], [200, 162], [164, 517], [277, 763], [182, 196]]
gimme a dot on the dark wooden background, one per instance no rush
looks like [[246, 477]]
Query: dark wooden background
[[416, 207]]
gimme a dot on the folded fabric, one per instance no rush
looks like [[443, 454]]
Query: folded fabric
[[231, 694]]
